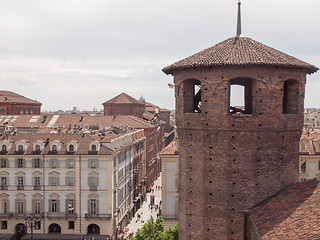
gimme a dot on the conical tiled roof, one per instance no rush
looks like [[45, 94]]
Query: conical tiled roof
[[124, 98], [239, 50]]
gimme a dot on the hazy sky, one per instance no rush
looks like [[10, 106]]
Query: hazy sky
[[81, 53]]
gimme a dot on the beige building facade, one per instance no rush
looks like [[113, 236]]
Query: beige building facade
[[71, 183]]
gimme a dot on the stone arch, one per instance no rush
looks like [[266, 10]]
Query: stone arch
[[249, 87], [20, 230], [54, 228], [190, 90], [93, 229]]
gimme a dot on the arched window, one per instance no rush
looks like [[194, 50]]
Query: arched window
[[4, 148], [191, 96], [93, 147], [37, 148], [20, 148], [54, 148], [71, 148], [243, 87]]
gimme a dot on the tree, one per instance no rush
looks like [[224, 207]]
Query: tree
[[154, 230]]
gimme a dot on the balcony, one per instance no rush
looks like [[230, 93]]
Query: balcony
[[71, 215], [4, 187], [6, 215], [100, 216], [55, 215], [93, 188], [20, 215], [36, 187], [170, 216], [20, 187]]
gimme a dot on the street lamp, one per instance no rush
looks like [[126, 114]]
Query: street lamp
[[31, 223]]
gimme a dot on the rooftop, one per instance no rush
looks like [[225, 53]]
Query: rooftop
[[239, 51], [11, 97]]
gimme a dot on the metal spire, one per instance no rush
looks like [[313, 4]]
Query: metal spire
[[239, 20]]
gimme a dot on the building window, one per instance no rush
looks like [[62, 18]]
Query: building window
[[37, 148], [303, 167], [93, 163], [4, 148], [37, 225], [4, 206], [53, 181], [4, 162], [20, 181], [36, 163], [71, 148], [20, 148], [244, 105], [37, 207], [4, 183], [93, 182], [54, 163], [71, 225], [93, 148], [290, 97], [37, 183], [54, 148], [20, 205], [4, 224], [53, 205], [70, 206], [20, 163], [319, 165], [93, 206], [70, 163], [70, 181], [192, 96]]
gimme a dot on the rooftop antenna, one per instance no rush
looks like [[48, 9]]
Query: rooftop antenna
[[239, 19]]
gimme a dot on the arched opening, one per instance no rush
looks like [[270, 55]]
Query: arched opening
[[4, 148], [71, 148], [93, 229], [20, 230], [37, 148], [54, 228], [192, 96], [290, 97], [93, 148], [241, 96]]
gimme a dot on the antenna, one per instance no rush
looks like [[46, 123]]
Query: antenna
[[239, 19]]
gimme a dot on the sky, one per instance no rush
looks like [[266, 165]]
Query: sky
[[81, 53]]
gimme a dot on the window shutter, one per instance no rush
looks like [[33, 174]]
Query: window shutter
[[97, 206], [33, 163], [33, 205], [16, 178], [96, 163], [24, 163], [50, 205], [67, 206], [50, 181], [67, 181], [33, 181], [57, 163], [50, 163], [16, 205], [58, 205], [89, 209], [58, 181], [97, 181], [16, 162]]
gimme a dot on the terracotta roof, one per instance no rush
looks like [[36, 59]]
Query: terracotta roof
[[124, 98], [239, 51], [170, 149], [11, 97], [293, 213]]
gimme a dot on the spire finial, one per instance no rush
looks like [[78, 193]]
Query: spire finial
[[239, 20]]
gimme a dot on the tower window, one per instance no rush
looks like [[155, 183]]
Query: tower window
[[290, 97], [241, 96], [192, 96]]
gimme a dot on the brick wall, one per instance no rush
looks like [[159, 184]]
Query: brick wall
[[228, 163]]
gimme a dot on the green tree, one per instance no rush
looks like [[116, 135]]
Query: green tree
[[154, 230]]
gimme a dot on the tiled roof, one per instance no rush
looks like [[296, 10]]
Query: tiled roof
[[64, 121], [170, 149], [293, 213], [124, 98], [239, 51], [11, 97]]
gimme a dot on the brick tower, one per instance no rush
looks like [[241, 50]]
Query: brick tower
[[234, 157]]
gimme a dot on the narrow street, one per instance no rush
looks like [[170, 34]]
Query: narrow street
[[145, 212]]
